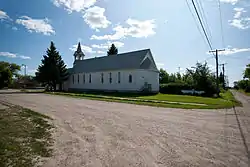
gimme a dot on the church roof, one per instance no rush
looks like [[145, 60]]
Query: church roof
[[141, 59]]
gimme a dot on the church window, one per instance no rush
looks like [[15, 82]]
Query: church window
[[110, 77], [130, 78], [73, 78], [119, 77], [78, 78], [102, 80], [89, 78], [83, 78]]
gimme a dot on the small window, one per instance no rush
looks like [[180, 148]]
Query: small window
[[89, 78], [83, 78], [73, 79], [110, 77], [130, 78], [119, 77], [102, 80], [78, 78]]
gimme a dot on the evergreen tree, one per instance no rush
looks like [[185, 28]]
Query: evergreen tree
[[112, 50], [52, 70]]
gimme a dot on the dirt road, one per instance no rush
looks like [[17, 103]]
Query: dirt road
[[96, 134]]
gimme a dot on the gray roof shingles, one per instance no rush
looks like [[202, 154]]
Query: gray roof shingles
[[129, 60]]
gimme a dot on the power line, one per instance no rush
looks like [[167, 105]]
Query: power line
[[205, 33], [221, 25], [195, 21], [203, 17]]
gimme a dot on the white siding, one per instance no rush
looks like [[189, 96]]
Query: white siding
[[139, 77]]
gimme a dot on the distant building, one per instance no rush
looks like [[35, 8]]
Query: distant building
[[126, 72]]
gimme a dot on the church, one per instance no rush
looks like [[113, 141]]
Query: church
[[134, 71]]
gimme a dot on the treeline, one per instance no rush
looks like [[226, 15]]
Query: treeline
[[198, 78], [244, 84]]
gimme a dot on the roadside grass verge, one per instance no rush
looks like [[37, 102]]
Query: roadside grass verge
[[159, 100], [246, 93], [228, 95], [25, 137]]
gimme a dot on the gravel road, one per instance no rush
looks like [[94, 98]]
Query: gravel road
[[97, 134]]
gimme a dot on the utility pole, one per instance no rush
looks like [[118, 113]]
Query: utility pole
[[24, 69], [223, 72], [217, 68]]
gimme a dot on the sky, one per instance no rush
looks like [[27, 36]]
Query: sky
[[169, 28]]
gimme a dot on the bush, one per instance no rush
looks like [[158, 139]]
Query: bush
[[174, 88]]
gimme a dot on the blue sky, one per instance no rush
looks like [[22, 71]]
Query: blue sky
[[167, 28]]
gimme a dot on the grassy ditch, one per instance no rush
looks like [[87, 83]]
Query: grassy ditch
[[25, 137]]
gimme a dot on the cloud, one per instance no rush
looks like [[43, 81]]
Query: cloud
[[230, 51], [14, 28], [13, 55], [24, 57], [239, 21], [233, 2], [137, 29], [74, 5], [108, 44], [95, 18], [239, 12], [36, 25], [85, 49], [160, 64], [8, 54], [4, 16]]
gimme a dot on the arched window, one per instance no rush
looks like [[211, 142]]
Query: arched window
[[102, 80], [78, 78], [73, 79], [83, 78], [119, 77], [110, 77], [130, 78], [89, 78]]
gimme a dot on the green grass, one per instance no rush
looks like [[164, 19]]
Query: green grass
[[24, 136], [246, 93], [164, 100]]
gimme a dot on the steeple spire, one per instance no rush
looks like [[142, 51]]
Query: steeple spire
[[79, 55], [79, 49]]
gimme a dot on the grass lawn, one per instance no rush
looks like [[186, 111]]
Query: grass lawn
[[24, 137], [164, 100]]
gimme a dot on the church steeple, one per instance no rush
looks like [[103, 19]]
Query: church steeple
[[79, 55]]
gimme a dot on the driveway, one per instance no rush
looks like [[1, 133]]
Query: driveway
[[96, 133]]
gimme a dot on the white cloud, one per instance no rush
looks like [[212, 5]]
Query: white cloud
[[233, 2], [24, 57], [95, 18], [8, 54], [74, 5], [108, 44], [160, 64], [239, 21], [239, 12], [100, 52], [14, 28], [230, 51], [85, 49], [137, 29], [13, 55], [4, 16], [36, 25]]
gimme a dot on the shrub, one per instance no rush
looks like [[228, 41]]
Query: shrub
[[174, 88]]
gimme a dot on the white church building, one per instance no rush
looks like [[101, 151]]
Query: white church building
[[125, 72]]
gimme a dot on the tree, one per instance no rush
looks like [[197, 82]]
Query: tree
[[7, 71], [247, 72], [112, 50], [52, 70]]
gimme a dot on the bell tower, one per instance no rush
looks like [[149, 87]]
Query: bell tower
[[79, 55]]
